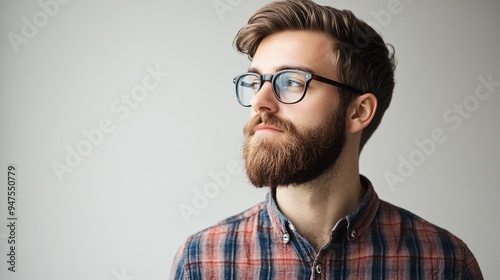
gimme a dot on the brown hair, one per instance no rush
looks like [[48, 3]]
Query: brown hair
[[362, 59]]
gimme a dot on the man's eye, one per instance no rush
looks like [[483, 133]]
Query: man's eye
[[293, 83], [255, 85], [252, 85]]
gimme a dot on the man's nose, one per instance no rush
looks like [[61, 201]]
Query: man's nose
[[265, 100]]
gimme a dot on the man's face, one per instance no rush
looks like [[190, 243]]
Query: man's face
[[294, 143]]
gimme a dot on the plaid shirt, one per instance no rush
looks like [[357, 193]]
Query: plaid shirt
[[377, 241]]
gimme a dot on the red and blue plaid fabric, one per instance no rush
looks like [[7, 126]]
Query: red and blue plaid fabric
[[377, 241]]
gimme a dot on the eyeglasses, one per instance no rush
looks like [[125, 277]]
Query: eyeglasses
[[289, 86]]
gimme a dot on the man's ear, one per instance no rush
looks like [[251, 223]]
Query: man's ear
[[361, 112]]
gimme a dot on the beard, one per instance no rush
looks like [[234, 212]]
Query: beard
[[296, 158]]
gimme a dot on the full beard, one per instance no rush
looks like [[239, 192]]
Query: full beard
[[296, 158]]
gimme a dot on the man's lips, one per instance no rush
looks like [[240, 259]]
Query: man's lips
[[266, 128]]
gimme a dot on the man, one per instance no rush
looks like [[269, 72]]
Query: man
[[318, 85]]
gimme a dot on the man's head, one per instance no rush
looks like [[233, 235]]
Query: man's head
[[295, 143]]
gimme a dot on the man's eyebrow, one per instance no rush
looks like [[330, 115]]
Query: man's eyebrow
[[253, 70], [294, 67], [282, 67]]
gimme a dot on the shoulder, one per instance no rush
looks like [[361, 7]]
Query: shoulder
[[245, 216], [419, 238], [214, 243], [405, 221], [235, 223]]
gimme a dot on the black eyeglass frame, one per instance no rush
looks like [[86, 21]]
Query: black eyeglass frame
[[271, 78]]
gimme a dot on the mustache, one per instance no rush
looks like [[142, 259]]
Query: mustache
[[268, 119]]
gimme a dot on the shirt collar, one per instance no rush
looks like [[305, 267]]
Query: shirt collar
[[357, 222], [278, 220]]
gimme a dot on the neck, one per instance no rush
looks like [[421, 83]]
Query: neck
[[316, 206]]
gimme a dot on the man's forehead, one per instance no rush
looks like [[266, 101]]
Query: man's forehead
[[303, 50]]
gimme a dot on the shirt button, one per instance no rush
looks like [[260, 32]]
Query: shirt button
[[286, 238], [319, 269], [353, 233]]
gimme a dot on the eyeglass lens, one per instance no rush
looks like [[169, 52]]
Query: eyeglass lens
[[288, 86]]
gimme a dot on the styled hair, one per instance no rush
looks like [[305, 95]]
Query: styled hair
[[360, 56]]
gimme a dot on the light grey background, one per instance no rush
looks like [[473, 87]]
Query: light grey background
[[117, 214]]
